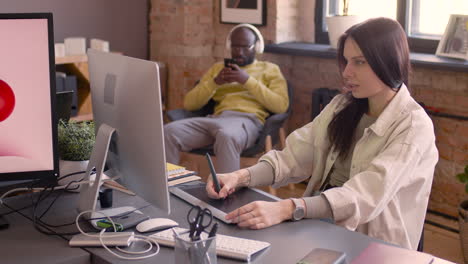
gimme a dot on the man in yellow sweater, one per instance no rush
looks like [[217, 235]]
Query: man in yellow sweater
[[245, 94]]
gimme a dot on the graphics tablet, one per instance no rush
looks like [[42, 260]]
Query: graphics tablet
[[195, 194]]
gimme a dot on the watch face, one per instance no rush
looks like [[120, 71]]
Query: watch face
[[298, 213]]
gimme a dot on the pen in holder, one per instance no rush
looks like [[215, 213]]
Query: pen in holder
[[202, 251]]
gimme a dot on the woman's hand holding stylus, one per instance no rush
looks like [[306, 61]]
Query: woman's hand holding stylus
[[228, 182]]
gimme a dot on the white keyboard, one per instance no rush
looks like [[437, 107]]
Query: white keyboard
[[226, 246]]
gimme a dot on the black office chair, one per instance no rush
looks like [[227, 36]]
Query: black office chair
[[320, 98], [269, 136]]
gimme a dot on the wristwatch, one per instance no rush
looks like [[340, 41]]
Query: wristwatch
[[299, 211]]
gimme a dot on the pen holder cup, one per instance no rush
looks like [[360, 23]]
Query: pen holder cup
[[202, 251]]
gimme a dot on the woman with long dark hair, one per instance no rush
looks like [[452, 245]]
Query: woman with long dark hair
[[369, 156]]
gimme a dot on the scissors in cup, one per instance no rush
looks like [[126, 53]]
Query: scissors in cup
[[199, 219]]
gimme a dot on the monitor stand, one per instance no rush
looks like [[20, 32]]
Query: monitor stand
[[95, 174]]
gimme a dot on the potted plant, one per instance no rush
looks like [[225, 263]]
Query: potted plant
[[75, 144], [339, 23], [463, 215]]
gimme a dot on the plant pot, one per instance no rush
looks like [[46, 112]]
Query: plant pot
[[68, 167], [463, 224], [337, 25]]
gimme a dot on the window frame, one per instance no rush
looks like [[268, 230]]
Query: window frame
[[416, 44]]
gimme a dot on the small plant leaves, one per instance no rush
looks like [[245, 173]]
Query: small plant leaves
[[463, 177], [75, 140]]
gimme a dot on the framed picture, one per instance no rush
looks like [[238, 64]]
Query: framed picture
[[243, 11], [454, 42]]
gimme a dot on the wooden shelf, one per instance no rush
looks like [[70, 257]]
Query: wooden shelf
[[71, 59], [82, 117], [78, 66]]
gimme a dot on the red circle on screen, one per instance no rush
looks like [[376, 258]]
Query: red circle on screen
[[7, 100]]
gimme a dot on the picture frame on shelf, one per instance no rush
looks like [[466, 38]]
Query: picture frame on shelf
[[243, 11], [454, 42]]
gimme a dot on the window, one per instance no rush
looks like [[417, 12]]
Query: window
[[423, 20], [429, 17]]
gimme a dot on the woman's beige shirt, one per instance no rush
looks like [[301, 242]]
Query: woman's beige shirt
[[391, 170]]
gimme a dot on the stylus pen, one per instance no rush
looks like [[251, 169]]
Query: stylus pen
[[213, 173]]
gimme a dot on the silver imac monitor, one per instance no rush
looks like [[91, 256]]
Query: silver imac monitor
[[127, 110]]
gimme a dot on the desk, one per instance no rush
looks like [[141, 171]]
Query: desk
[[290, 241], [21, 243]]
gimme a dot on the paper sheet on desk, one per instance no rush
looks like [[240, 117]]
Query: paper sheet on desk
[[115, 185]]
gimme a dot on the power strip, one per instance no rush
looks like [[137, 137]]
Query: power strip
[[110, 239]]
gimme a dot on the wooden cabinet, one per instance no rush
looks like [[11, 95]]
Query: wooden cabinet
[[78, 66]]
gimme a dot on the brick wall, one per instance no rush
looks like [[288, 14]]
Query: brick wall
[[447, 91], [181, 35], [189, 38]]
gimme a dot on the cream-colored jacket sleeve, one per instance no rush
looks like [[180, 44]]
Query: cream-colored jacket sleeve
[[305, 147]]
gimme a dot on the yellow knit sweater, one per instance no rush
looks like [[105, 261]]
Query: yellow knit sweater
[[264, 92]]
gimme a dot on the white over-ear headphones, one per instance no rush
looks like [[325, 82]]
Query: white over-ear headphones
[[259, 44]]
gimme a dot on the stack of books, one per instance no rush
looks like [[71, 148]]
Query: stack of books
[[177, 174]]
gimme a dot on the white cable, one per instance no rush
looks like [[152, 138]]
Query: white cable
[[136, 252], [136, 238], [146, 239], [92, 211]]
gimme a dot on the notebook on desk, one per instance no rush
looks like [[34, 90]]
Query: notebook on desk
[[195, 194], [174, 169]]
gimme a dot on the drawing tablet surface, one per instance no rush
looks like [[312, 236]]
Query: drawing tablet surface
[[196, 194]]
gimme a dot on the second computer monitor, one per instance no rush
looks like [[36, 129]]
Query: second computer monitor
[[126, 97], [28, 128]]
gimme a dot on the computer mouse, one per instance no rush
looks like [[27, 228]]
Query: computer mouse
[[155, 224]]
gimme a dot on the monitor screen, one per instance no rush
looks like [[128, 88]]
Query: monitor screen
[[127, 111], [28, 132]]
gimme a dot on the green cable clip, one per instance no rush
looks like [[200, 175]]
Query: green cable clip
[[106, 224]]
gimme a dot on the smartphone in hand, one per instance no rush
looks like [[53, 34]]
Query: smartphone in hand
[[228, 61]]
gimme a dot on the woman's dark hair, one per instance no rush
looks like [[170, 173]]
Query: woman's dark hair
[[384, 45]]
